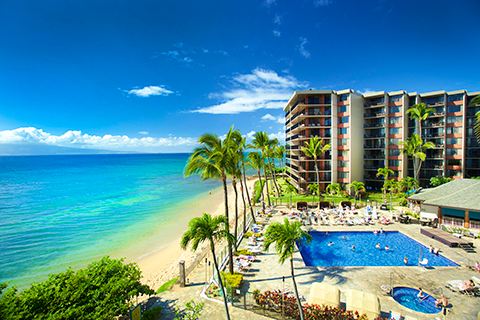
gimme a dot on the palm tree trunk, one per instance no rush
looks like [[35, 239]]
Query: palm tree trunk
[[212, 247], [274, 177], [242, 188], [266, 183], [261, 184], [318, 181], [248, 195], [234, 184], [300, 309], [230, 253]]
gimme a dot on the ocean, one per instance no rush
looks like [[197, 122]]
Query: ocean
[[66, 211]]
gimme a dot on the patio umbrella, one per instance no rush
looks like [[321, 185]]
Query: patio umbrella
[[322, 293], [363, 302]]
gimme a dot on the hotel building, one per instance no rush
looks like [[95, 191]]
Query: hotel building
[[365, 131]]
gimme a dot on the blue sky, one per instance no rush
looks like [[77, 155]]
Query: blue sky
[[152, 76]]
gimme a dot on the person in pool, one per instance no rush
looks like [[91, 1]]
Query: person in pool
[[353, 247], [377, 246], [405, 260], [442, 302], [330, 243], [375, 232], [420, 294], [343, 238], [387, 248]]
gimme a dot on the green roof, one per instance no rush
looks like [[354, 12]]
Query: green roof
[[459, 193]]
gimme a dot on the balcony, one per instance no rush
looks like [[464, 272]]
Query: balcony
[[374, 146], [374, 114]]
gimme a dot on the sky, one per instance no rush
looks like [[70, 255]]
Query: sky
[[153, 76]]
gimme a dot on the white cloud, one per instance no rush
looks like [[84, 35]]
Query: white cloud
[[75, 139], [150, 91], [276, 33], [322, 3], [302, 49], [277, 19], [268, 116], [262, 89], [174, 54], [280, 136], [143, 132], [366, 91], [268, 3]]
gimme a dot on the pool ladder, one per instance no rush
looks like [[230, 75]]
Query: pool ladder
[[439, 288]]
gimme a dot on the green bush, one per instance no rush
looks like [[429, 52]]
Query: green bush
[[249, 234], [235, 280], [152, 313], [166, 286]]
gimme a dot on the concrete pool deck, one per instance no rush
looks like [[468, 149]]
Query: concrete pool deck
[[267, 274]]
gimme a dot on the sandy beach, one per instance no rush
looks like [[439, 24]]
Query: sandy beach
[[162, 265]]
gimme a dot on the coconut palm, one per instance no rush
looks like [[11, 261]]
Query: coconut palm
[[261, 142], [333, 189], [314, 149], [384, 172], [420, 112], [476, 101], [212, 160], [357, 186], [291, 190], [313, 188], [241, 150], [271, 157], [280, 154], [285, 236], [415, 148], [209, 229], [256, 162]]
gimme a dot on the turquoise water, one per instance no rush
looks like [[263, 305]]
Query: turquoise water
[[408, 297], [66, 211], [319, 253]]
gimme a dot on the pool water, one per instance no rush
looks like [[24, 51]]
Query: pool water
[[407, 297], [318, 253]]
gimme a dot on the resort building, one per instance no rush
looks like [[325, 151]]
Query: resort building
[[365, 131], [455, 203]]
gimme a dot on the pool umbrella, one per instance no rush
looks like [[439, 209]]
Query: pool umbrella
[[322, 293], [363, 302]]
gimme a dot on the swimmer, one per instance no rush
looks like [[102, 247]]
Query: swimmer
[[405, 260], [381, 230], [432, 249], [343, 238], [353, 247], [377, 246], [375, 232], [387, 248], [330, 243], [420, 294], [326, 233]]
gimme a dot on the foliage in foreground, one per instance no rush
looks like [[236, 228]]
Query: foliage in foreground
[[152, 313], [103, 290], [167, 285], [192, 311]]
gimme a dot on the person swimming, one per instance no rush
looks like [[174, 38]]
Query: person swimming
[[386, 247], [375, 232], [420, 294], [343, 238], [377, 246], [330, 243], [405, 260], [353, 247]]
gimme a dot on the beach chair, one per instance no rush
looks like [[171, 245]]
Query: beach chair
[[459, 286], [395, 315]]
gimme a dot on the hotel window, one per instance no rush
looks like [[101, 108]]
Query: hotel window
[[454, 152], [395, 109], [454, 162], [454, 140], [396, 98], [343, 153], [395, 131], [394, 142], [343, 97], [454, 108], [455, 97], [342, 175], [342, 164], [454, 119], [342, 130], [412, 100], [453, 130], [342, 108], [395, 120], [342, 142], [343, 119], [394, 152], [394, 163]]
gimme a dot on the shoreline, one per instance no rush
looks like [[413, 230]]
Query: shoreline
[[162, 265]]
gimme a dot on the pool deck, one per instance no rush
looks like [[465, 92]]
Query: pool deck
[[267, 274]]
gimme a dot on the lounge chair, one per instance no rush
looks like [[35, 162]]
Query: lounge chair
[[459, 286]]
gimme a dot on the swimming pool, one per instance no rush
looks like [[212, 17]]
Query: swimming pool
[[408, 297], [319, 253]]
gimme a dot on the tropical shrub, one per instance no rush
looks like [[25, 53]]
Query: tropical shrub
[[234, 280], [244, 252], [152, 313], [103, 290]]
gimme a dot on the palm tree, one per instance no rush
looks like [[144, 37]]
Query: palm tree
[[241, 150], [476, 101], [415, 148], [408, 183], [291, 190], [280, 154], [357, 186], [213, 160], [256, 162], [315, 149], [385, 172], [313, 188], [420, 112], [333, 189], [271, 156], [261, 142], [285, 236], [209, 229]]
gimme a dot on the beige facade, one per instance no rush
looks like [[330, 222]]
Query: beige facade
[[365, 132]]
